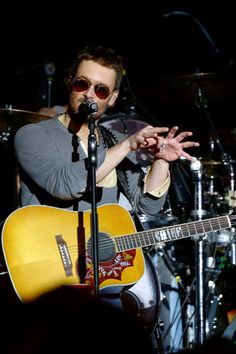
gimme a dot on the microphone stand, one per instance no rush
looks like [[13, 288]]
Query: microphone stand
[[197, 213], [49, 95], [92, 164]]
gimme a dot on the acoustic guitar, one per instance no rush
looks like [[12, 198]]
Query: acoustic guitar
[[46, 247]]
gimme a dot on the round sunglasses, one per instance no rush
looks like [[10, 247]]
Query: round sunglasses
[[80, 85]]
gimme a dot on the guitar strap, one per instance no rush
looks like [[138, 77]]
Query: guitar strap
[[110, 140]]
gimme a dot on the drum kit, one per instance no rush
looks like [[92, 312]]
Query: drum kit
[[202, 190], [10, 121]]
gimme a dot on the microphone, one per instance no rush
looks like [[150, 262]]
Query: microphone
[[90, 106], [49, 69]]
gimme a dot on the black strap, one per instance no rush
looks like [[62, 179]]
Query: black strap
[[110, 140]]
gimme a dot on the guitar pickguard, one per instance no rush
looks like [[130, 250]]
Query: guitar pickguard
[[112, 269]]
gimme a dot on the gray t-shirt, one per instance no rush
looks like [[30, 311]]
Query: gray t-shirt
[[54, 171]]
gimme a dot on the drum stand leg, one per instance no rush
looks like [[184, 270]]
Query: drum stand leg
[[200, 294], [157, 337], [198, 213]]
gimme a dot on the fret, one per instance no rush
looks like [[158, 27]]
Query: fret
[[175, 232], [199, 227]]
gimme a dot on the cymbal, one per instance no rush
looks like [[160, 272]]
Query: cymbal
[[212, 167], [12, 119], [185, 88], [211, 163]]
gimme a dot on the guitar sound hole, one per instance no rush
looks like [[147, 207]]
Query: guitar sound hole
[[106, 247]]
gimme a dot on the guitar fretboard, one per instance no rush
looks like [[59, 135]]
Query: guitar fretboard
[[171, 233]]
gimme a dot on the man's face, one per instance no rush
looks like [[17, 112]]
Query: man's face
[[95, 82]]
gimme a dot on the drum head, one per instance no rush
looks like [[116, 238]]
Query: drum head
[[123, 123], [128, 124]]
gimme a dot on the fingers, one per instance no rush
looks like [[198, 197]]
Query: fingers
[[149, 135], [188, 144], [181, 136], [172, 132], [150, 131], [188, 156], [154, 136]]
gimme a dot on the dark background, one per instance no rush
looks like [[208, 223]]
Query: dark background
[[165, 45], [159, 40]]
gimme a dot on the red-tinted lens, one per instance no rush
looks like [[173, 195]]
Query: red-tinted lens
[[80, 85], [102, 91]]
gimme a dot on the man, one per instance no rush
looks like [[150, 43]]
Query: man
[[53, 154], [54, 158]]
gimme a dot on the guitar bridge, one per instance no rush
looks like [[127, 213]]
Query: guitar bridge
[[65, 256]]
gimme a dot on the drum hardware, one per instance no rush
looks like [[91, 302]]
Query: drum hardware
[[213, 301], [212, 168], [233, 248], [12, 119], [219, 183], [164, 218], [189, 324], [170, 314], [221, 244], [220, 256], [232, 198], [198, 213], [4, 136], [215, 142], [145, 305], [200, 324]]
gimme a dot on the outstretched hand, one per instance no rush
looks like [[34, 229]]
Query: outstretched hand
[[170, 148]]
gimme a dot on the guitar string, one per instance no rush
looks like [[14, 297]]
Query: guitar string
[[140, 239]]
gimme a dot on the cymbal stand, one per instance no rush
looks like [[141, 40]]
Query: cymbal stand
[[197, 213], [201, 103]]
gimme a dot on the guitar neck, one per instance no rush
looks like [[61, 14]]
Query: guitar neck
[[172, 233]]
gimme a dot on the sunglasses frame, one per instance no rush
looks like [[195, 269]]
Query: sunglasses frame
[[102, 95]]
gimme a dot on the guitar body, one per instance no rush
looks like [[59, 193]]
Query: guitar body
[[46, 247]]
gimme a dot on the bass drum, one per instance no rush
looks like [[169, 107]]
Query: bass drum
[[127, 124], [165, 259], [140, 300]]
